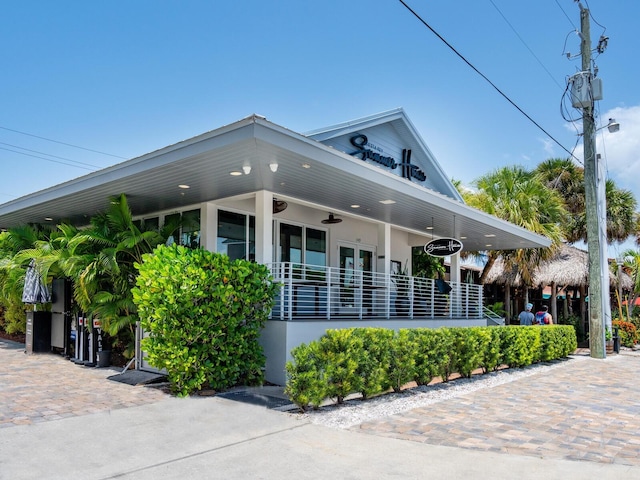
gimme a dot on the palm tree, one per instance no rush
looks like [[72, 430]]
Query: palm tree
[[522, 198], [565, 177], [100, 261]]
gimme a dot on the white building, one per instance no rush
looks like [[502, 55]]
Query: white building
[[358, 197]]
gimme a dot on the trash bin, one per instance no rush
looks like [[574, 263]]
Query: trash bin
[[38, 335], [104, 358]]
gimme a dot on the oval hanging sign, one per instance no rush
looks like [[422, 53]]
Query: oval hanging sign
[[443, 247]]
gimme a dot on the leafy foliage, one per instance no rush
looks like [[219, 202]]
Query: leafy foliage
[[416, 354], [203, 314]]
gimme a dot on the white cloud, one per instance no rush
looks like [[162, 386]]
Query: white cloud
[[620, 150]]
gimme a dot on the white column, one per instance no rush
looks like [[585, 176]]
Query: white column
[[264, 227], [384, 248], [209, 226], [384, 261]]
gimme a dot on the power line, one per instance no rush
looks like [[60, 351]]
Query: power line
[[62, 143], [525, 44], [485, 77], [80, 164], [47, 159], [568, 17]]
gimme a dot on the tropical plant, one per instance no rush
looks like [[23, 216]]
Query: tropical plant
[[204, 314], [520, 197], [567, 178], [401, 280], [99, 260]]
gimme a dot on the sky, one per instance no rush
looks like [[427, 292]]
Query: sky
[[85, 85]]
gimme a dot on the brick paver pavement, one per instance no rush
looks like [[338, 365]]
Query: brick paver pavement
[[41, 387], [587, 409]]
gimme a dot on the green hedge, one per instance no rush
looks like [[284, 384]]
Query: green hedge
[[373, 360], [204, 314]]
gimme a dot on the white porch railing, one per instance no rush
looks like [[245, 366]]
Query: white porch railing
[[313, 291]]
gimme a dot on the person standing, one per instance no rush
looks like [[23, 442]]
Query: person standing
[[526, 317], [543, 317]]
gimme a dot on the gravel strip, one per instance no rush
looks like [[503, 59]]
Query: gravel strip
[[355, 411]]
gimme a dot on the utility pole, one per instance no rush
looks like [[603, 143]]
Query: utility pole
[[594, 207]]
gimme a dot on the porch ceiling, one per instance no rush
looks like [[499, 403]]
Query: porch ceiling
[[307, 170]]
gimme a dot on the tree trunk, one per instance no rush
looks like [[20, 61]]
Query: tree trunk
[[507, 303], [554, 302], [491, 259]]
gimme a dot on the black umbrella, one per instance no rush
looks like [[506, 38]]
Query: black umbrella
[[35, 290]]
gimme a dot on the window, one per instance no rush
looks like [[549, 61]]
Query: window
[[236, 235], [303, 245], [186, 228]]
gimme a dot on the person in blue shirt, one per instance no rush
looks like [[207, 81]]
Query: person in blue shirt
[[526, 317], [543, 317]]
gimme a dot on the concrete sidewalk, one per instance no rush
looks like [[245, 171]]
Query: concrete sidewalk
[[210, 437]]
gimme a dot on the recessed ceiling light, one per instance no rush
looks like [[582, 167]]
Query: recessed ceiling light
[[355, 206], [306, 165], [463, 238], [182, 185], [387, 202], [488, 245], [490, 235], [235, 173], [429, 228], [48, 219]]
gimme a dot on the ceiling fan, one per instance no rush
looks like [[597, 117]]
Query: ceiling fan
[[331, 219], [279, 206]]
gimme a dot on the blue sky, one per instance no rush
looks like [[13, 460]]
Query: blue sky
[[129, 77]]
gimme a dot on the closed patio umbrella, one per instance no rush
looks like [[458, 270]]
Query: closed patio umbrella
[[35, 290]]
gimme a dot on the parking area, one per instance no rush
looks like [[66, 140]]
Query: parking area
[[587, 409], [41, 387]]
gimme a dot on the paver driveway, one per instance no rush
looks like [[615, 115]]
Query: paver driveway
[[587, 409]]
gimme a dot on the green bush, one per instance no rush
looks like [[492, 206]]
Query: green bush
[[14, 318], [401, 360], [370, 360], [446, 364], [492, 358], [373, 359], [520, 345], [204, 315], [429, 350], [341, 352], [306, 384], [470, 344]]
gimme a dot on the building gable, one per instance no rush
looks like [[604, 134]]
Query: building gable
[[389, 141]]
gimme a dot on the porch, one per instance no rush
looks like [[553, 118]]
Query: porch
[[319, 292]]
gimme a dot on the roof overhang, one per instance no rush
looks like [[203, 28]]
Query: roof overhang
[[307, 170]]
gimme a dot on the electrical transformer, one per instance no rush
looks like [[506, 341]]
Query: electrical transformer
[[585, 89]]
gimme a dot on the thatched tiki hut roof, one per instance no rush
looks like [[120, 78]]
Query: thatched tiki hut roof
[[568, 267]]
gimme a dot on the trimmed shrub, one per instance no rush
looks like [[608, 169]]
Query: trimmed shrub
[[340, 353], [447, 354], [401, 360], [429, 349], [306, 384], [492, 358], [204, 314], [520, 345], [370, 360], [374, 359]]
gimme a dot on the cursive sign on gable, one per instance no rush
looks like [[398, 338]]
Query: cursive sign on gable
[[368, 151]]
